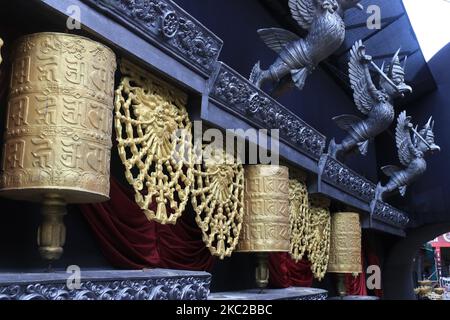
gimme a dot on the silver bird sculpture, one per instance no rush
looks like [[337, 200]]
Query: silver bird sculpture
[[376, 104], [412, 153], [298, 57]]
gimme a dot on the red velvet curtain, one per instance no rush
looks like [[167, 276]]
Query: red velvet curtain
[[356, 286], [285, 272], [128, 240]]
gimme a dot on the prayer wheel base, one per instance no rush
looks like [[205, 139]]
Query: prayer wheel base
[[52, 231]]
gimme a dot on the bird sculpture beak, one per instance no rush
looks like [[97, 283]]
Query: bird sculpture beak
[[359, 6], [404, 89], [435, 148]]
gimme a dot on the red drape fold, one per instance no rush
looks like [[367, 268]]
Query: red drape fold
[[128, 240], [285, 272]]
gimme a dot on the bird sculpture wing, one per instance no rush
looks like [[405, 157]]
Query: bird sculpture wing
[[364, 100], [405, 145], [276, 38], [303, 11]]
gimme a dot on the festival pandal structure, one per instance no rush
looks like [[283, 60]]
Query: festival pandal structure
[[64, 99]]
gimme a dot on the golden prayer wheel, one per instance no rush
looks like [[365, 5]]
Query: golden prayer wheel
[[345, 246], [266, 226], [57, 142]]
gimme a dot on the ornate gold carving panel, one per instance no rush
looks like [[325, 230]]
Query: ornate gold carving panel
[[318, 234], [299, 218], [59, 121], [218, 200], [155, 143], [345, 251], [266, 225]]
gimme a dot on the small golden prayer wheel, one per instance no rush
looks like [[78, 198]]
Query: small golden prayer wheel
[[266, 226], [345, 246], [57, 142]]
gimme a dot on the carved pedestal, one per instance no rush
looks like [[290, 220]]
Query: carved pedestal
[[273, 294], [155, 284]]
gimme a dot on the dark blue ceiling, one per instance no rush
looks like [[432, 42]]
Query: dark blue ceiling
[[396, 32]]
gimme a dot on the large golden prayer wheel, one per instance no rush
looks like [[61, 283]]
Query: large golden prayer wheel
[[266, 226], [57, 142], [345, 246]]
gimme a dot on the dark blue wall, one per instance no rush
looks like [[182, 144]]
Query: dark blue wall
[[428, 199], [236, 23]]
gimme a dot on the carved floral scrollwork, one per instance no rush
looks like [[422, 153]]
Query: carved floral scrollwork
[[310, 227], [237, 94], [346, 179], [186, 288], [385, 213], [319, 235], [164, 20], [218, 200], [299, 217], [155, 143]]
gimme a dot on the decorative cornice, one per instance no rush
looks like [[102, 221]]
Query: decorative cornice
[[167, 26], [345, 179], [123, 286], [235, 93], [385, 213], [292, 293]]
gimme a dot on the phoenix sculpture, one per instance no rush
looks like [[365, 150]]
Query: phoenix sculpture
[[411, 152], [375, 103], [298, 57]]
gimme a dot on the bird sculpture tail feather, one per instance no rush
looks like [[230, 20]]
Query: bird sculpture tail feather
[[256, 74], [363, 147], [299, 77]]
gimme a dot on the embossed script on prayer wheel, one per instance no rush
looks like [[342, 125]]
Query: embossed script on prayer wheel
[[345, 247], [266, 226], [59, 120]]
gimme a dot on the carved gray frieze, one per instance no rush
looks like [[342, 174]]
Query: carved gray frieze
[[236, 94], [385, 213], [345, 179], [292, 293], [340, 176], [118, 285], [164, 22]]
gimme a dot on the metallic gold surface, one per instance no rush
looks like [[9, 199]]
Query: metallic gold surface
[[266, 225], [218, 200], [155, 143], [345, 249], [52, 232], [299, 215], [58, 128], [262, 271], [318, 235], [59, 120]]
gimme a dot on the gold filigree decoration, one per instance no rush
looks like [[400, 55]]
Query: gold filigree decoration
[[318, 235], [299, 216], [154, 136], [218, 200]]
